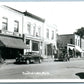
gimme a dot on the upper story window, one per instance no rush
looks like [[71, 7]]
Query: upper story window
[[78, 42], [39, 31], [75, 41], [47, 33], [71, 41], [52, 35], [16, 26], [29, 28], [34, 29], [4, 23]]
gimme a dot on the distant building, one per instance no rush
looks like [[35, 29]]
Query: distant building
[[72, 43], [82, 46]]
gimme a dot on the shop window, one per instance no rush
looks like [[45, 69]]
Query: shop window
[[27, 42], [47, 33], [52, 35], [35, 46], [4, 23], [16, 26], [29, 28]]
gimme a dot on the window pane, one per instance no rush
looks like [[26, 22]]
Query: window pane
[[47, 33], [52, 35], [29, 28], [34, 29], [35, 46], [27, 42], [39, 31], [16, 26], [4, 23]]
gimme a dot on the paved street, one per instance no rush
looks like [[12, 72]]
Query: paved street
[[45, 70]]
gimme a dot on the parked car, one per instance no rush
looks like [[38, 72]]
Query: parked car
[[30, 57]]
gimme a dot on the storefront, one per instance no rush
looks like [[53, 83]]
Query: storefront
[[10, 46], [74, 51], [34, 44]]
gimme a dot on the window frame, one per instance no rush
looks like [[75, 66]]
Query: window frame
[[47, 33], [16, 28], [5, 23]]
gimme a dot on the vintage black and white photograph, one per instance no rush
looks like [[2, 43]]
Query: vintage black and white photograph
[[42, 40]]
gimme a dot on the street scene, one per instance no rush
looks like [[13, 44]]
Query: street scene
[[46, 70], [31, 47]]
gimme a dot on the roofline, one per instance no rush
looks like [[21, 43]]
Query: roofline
[[33, 16], [12, 9], [27, 14]]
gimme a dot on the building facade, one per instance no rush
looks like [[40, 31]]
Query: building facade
[[72, 43], [33, 32], [26, 32], [11, 38], [50, 40]]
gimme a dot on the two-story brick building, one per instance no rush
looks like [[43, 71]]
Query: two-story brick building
[[72, 43]]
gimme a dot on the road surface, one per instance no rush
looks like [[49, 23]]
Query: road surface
[[45, 70]]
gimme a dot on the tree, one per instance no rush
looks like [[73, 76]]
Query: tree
[[80, 32]]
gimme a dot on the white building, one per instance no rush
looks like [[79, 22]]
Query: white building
[[24, 26], [50, 39], [11, 40], [33, 32], [11, 19]]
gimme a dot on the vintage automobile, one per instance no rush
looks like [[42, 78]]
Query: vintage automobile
[[29, 57]]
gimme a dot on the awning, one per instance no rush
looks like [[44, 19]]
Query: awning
[[71, 48], [12, 42], [78, 49]]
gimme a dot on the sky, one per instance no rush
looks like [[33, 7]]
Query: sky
[[67, 16]]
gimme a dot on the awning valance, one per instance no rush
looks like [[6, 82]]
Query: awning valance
[[71, 48], [12, 42], [78, 49]]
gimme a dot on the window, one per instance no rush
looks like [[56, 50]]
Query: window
[[4, 23], [71, 41], [52, 35], [75, 41], [16, 26], [35, 46], [29, 28], [27, 41], [78, 43], [47, 33], [34, 29], [39, 31]]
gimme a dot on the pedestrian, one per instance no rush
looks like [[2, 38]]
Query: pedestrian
[[68, 58]]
